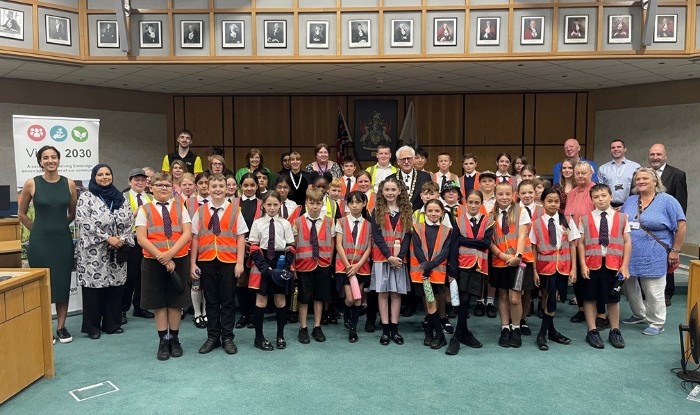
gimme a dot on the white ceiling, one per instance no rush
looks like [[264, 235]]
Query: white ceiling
[[360, 77]]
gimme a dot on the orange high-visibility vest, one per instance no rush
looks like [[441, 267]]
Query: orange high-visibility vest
[[370, 201], [437, 178], [390, 235], [156, 230], [462, 184], [549, 258], [344, 179], [439, 273], [354, 250], [485, 212], [509, 243], [468, 257], [616, 243], [303, 259], [223, 247]]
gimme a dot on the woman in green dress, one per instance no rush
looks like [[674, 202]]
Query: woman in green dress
[[50, 241], [253, 160]]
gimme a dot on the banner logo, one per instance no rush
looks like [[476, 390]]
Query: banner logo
[[58, 133], [79, 134], [36, 132]]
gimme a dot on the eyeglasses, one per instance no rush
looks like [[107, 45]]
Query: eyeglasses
[[216, 164], [406, 160], [162, 186]]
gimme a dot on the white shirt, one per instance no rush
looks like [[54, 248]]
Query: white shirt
[[319, 222], [142, 220], [499, 177], [381, 173], [244, 197], [407, 178], [523, 220], [351, 219], [345, 181], [241, 227], [291, 205], [472, 174], [200, 200], [490, 202], [660, 171], [596, 219], [573, 235], [445, 219], [532, 206], [440, 179], [260, 232]]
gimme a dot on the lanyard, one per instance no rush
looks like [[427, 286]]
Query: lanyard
[[619, 175]]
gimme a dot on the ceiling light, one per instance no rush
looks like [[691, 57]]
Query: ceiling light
[[662, 63], [82, 80], [488, 86], [382, 67], [440, 77], [200, 79], [112, 68], [564, 76], [319, 79], [521, 64]]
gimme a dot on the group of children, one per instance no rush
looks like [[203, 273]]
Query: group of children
[[475, 236]]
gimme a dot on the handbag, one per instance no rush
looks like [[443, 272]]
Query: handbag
[[671, 266]]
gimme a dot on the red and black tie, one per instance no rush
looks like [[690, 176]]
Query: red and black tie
[[214, 224]]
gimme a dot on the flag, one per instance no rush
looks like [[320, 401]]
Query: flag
[[344, 138], [408, 136]]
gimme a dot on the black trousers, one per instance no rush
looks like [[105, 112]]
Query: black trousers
[[102, 309], [670, 285], [219, 286], [132, 288]]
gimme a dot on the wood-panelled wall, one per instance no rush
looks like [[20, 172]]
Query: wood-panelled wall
[[532, 124]]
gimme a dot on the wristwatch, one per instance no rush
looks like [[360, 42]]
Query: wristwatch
[[520, 256]]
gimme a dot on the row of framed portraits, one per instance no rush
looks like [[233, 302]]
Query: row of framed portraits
[[57, 28]]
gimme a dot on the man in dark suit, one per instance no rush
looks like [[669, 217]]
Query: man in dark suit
[[401, 34], [409, 176], [675, 183], [109, 34], [275, 34], [359, 34], [192, 34]]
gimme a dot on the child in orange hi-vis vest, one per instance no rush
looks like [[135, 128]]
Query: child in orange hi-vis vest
[[526, 195]]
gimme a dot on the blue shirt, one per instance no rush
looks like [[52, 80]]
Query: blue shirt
[[661, 218], [557, 171], [613, 175]]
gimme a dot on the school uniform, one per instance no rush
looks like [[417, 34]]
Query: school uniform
[[349, 185], [475, 236], [488, 205], [384, 278], [132, 287], [501, 275], [533, 210], [217, 255], [469, 182], [313, 257], [443, 178], [288, 207], [430, 248], [357, 236]]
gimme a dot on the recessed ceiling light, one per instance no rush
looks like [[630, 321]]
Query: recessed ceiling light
[[82, 80], [521, 64], [112, 68], [200, 79], [662, 63], [377, 87], [440, 77], [163, 89], [690, 74], [382, 67], [600, 84], [564, 76], [269, 88]]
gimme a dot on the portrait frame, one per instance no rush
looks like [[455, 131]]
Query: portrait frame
[[451, 25], [395, 27], [62, 36], [366, 40], [525, 34], [613, 36], [572, 36], [314, 41], [481, 24], [104, 43], [269, 31], [9, 30], [191, 40], [157, 34], [663, 37], [226, 27]]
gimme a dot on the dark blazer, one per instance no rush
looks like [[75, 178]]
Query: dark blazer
[[675, 183], [422, 177]]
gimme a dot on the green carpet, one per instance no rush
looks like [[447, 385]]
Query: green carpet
[[365, 377]]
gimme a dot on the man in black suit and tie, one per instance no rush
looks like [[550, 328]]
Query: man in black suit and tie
[[412, 179], [675, 183], [359, 34]]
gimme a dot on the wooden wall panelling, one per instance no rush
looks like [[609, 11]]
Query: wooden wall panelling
[[227, 115], [439, 118], [271, 157], [590, 131], [2, 307], [454, 151], [493, 119], [179, 122], [203, 116], [547, 156], [263, 120], [581, 121], [231, 159], [486, 155], [351, 111], [529, 119], [315, 119], [555, 116]]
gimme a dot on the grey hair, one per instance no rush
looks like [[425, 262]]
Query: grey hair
[[584, 164], [406, 148], [658, 186]]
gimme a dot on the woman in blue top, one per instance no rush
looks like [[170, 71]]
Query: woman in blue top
[[651, 211]]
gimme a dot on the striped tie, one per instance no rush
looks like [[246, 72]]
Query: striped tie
[[313, 239], [354, 231], [139, 202], [167, 222], [552, 230], [214, 224], [285, 213], [603, 235], [271, 241], [504, 223]]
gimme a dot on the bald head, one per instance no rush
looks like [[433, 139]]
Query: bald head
[[657, 156], [571, 149]]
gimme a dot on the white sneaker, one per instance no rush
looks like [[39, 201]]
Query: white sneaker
[[64, 336]]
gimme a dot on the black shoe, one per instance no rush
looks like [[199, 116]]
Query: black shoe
[[352, 337], [281, 343], [242, 322], [469, 340], [615, 338], [164, 349], [251, 325], [263, 345], [369, 326], [143, 313], [515, 338], [230, 346], [438, 343], [318, 335], [540, 312], [384, 340], [304, 336], [293, 318], [559, 338], [453, 348], [399, 340], [63, 335], [210, 345], [668, 302], [451, 312], [427, 339], [579, 317], [491, 310], [524, 328], [602, 324], [542, 343], [94, 336], [407, 311], [117, 331], [332, 319], [200, 323], [593, 338], [324, 319], [479, 309], [124, 321], [531, 310], [175, 347], [504, 340]]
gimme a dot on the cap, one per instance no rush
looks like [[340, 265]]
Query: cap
[[137, 172], [487, 173], [453, 185]]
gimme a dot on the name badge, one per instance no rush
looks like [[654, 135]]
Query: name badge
[[619, 187], [634, 225]]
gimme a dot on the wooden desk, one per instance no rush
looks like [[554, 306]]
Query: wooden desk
[[10, 244], [26, 334], [693, 293]]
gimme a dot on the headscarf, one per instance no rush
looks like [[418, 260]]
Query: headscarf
[[284, 170], [109, 194]]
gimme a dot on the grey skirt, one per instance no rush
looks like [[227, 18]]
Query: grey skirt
[[388, 279]]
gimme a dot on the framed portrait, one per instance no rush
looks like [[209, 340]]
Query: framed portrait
[[532, 30], [107, 34], [665, 28], [402, 33], [191, 32], [275, 33], [445, 31], [620, 28], [360, 35], [12, 24], [576, 29], [233, 34], [58, 30], [151, 34], [317, 34], [489, 31]]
